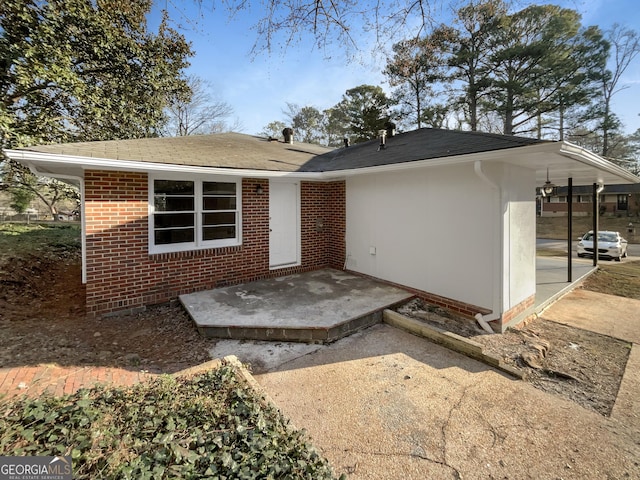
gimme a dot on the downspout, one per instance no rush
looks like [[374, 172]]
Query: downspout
[[483, 320], [83, 225]]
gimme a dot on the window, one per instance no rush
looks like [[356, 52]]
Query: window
[[174, 212], [218, 210], [623, 202], [189, 214]]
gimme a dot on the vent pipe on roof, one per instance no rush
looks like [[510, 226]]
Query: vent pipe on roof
[[383, 139], [346, 142], [391, 129], [287, 133]]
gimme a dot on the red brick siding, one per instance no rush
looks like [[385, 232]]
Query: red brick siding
[[336, 224], [323, 223], [509, 315], [122, 275]]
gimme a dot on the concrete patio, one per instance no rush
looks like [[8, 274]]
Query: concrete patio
[[313, 307], [325, 305]]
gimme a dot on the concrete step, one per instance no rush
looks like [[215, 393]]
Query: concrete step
[[305, 334], [313, 307]]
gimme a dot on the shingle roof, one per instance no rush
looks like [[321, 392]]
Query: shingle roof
[[235, 150], [228, 150], [421, 144]]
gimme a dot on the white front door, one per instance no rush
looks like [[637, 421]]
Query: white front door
[[284, 221]]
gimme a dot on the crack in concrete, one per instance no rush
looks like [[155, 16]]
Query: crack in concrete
[[352, 469], [447, 423]]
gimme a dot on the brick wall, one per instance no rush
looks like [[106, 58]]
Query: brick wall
[[123, 276], [323, 223], [336, 224], [509, 316]]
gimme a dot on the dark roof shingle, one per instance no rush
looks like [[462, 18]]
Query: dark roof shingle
[[421, 144], [240, 151]]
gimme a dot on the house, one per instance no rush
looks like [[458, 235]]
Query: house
[[449, 215], [617, 199]]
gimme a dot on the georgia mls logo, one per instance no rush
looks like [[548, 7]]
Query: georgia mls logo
[[60, 465], [36, 468]]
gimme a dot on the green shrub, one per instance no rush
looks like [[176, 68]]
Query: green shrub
[[208, 426]]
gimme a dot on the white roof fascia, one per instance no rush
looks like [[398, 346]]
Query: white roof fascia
[[87, 163], [589, 158]]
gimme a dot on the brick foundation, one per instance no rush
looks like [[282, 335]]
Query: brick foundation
[[462, 308], [508, 317]]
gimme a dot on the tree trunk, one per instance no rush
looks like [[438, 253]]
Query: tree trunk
[[561, 121], [508, 115]]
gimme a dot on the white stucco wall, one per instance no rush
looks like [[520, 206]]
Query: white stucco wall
[[433, 229], [446, 231], [518, 187]]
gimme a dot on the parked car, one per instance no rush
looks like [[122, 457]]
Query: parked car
[[611, 245]]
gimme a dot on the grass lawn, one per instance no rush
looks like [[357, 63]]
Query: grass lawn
[[20, 239], [556, 227], [622, 279]]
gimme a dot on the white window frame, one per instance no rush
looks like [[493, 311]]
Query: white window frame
[[198, 243]]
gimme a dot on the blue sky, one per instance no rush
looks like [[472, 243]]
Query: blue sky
[[259, 88]]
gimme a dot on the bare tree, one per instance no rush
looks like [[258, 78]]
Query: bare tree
[[198, 114], [625, 46], [283, 23]]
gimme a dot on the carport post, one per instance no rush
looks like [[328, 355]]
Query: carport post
[[569, 227], [596, 212]]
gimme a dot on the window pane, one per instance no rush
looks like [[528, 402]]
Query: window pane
[[168, 220], [226, 218], [218, 188], [182, 235], [173, 187], [173, 204], [219, 203], [218, 233]]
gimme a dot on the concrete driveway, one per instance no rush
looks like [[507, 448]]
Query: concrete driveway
[[384, 404]]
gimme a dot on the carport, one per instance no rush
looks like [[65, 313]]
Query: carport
[[572, 167]]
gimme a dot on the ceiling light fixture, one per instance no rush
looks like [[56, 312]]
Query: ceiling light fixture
[[548, 187]]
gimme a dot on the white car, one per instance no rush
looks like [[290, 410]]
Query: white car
[[610, 245]]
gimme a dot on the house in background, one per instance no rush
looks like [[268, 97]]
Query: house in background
[[449, 215], [622, 200]]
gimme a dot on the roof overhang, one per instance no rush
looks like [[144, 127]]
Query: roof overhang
[[71, 166], [561, 160]]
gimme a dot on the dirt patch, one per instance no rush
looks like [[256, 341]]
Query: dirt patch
[[42, 318], [579, 365]]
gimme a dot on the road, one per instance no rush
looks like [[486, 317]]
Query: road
[[633, 249]]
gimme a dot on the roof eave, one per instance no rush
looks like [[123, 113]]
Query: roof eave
[[601, 164], [80, 164]]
